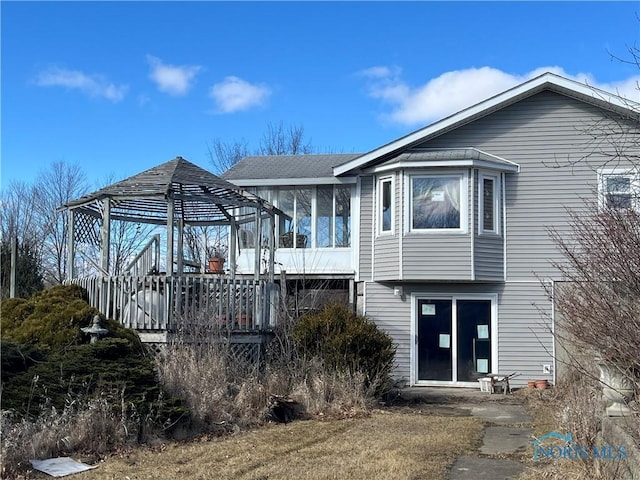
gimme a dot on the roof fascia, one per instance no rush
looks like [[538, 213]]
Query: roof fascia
[[277, 182], [546, 81], [477, 163]]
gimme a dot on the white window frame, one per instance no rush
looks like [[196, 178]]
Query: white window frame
[[496, 203], [464, 202], [632, 174], [381, 180]]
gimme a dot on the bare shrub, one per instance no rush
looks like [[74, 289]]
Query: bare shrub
[[599, 299]]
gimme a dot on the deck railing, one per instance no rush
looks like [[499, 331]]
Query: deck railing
[[153, 303]]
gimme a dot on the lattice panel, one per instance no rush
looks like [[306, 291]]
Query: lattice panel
[[86, 229]]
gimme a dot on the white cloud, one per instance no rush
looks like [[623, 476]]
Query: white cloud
[[234, 94], [172, 79], [92, 85], [456, 90]]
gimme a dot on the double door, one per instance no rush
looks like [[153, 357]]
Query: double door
[[454, 339]]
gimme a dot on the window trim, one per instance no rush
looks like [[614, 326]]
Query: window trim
[[382, 180], [463, 178], [631, 173], [496, 204]]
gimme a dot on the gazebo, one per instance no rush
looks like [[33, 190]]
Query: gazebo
[[158, 297]]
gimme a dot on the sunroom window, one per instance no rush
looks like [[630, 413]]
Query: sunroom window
[[320, 216], [437, 202]]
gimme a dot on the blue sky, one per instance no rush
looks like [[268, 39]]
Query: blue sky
[[119, 87]]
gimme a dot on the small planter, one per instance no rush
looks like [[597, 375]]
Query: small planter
[[542, 384], [216, 265], [531, 384]]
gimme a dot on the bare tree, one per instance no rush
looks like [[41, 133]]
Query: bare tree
[[54, 187], [225, 155], [18, 215], [276, 140]]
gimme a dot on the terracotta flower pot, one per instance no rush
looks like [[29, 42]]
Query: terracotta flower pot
[[216, 265], [531, 384], [542, 384]]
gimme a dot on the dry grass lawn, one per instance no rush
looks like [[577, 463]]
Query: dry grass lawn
[[386, 444]]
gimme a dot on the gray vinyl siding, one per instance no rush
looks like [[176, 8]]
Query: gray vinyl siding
[[367, 212], [525, 342], [525, 339], [386, 258], [545, 135], [489, 258], [436, 257]]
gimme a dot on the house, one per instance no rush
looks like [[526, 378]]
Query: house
[[442, 236]]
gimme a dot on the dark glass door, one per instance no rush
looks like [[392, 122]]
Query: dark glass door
[[434, 340], [474, 339]]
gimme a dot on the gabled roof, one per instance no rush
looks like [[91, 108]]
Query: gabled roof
[[547, 81], [286, 169], [199, 196]]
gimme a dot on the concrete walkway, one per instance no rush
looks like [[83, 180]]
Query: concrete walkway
[[507, 430]]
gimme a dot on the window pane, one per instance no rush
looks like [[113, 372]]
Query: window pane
[[303, 218], [618, 191], [436, 202], [324, 209], [619, 200], [386, 206], [488, 204], [618, 184], [285, 203], [343, 216]]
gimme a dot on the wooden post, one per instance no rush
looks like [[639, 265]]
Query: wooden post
[[272, 248], [106, 236], [71, 245], [257, 245], [13, 279], [180, 267], [233, 246], [169, 266]]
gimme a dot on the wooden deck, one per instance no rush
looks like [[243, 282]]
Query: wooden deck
[[194, 305]]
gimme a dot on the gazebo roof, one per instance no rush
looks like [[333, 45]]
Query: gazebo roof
[[199, 197]]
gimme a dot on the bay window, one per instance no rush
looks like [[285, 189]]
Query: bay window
[[437, 202]]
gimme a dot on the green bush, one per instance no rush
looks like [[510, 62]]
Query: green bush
[[48, 360], [53, 318], [347, 342]]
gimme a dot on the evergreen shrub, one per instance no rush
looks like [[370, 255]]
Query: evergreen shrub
[[347, 342]]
